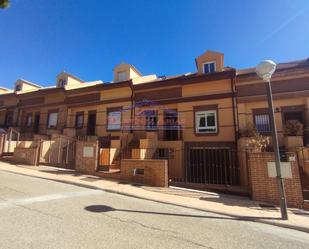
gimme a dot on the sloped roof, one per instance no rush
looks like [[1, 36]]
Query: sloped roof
[[71, 75], [280, 66], [29, 83]]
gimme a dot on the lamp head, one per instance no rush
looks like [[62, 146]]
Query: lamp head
[[265, 69]]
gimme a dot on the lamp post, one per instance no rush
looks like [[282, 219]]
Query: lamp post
[[265, 70]]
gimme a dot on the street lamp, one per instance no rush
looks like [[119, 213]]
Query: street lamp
[[265, 70]]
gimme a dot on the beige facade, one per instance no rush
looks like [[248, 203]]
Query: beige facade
[[194, 120]]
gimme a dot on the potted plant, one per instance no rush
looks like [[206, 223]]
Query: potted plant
[[252, 140], [257, 143], [293, 132]]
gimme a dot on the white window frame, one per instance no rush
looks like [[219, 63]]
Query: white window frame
[[52, 125], [114, 126], [208, 63], [197, 123]]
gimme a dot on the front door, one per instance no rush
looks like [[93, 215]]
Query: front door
[[36, 124], [92, 116]]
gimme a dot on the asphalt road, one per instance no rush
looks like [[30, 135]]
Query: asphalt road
[[38, 213]]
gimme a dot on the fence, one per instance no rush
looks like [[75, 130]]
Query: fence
[[198, 165], [59, 151], [206, 165], [10, 141]]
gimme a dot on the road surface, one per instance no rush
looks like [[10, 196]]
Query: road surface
[[39, 213]]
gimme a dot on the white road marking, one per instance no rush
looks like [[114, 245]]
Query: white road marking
[[44, 198]]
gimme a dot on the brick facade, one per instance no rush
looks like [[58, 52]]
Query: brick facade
[[28, 156], [264, 188]]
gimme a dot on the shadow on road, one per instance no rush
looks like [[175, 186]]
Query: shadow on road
[[104, 209]]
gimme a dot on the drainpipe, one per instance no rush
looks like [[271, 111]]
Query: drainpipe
[[235, 116], [132, 103]]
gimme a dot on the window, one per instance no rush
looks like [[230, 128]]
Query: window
[[261, 121], [151, 119], [9, 119], [122, 76], [62, 82], [79, 120], [114, 120], [29, 120], [209, 67], [52, 120], [18, 88], [206, 121]]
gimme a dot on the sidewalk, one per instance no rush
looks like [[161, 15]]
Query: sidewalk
[[233, 206]]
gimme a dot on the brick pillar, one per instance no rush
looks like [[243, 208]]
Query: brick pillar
[[265, 188], [86, 158]]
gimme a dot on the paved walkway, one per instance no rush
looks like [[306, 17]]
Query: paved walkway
[[234, 206]]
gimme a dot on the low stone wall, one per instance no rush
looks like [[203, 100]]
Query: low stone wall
[[26, 155], [265, 188], [148, 172], [86, 159]]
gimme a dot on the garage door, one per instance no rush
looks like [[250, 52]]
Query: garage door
[[212, 165]]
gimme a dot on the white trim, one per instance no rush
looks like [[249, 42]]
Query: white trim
[[209, 62], [204, 113]]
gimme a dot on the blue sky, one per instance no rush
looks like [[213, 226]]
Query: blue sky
[[40, 38]]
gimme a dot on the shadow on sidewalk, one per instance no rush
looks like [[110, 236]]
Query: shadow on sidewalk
[[60, 172], [104, 209]]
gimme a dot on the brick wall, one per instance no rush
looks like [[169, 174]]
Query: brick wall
[[26, 155], [86, 159], [264, 188], [155, 171], [2, 138]]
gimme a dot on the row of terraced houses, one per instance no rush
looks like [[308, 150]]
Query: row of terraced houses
[[195, 122]]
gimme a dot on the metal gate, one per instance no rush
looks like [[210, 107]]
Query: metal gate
[[9, 141], [212, 165], [59, 152]]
